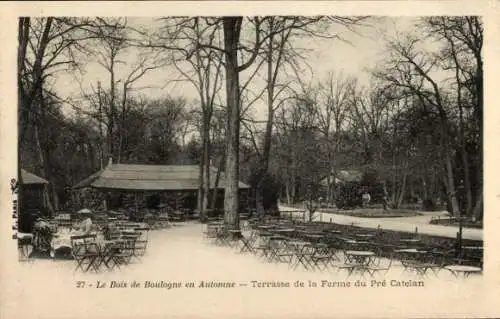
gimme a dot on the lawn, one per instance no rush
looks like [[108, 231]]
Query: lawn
[[373, 212], [455, 223]]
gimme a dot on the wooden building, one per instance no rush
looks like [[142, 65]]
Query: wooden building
[[140, 186], [33, 202]]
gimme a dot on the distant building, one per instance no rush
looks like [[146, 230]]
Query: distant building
[[129, 185], [343, 176]]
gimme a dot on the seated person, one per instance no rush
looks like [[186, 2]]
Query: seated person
[[84, 225]]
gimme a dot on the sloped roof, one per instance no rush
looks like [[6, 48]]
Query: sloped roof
[[344, 176], [30, 178], [150, 177]]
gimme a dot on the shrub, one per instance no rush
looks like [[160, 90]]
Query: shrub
[[349, 195]]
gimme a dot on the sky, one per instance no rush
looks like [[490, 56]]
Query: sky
[[360, 51]]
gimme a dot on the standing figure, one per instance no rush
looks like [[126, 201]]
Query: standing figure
[[385, 200], [366, 198]]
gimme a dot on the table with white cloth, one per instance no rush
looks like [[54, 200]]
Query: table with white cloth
[[62, 240]]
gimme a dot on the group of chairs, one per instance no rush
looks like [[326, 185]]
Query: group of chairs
[[315, 247], [110, 250]]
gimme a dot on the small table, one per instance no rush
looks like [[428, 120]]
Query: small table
[[410, 241], [265, 227], [285, 230], [365, 236], [359, 256], [24, 241], [473, 248], [463, 270], [314, 237], [410, 251], [415, 262]]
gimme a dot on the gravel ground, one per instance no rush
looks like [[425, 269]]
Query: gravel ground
[[176, 256]]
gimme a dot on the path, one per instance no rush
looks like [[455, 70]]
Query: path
[[47, 289], [405, 224]]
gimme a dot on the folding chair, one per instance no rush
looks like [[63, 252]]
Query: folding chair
[[279, 251], [246, 245], [126, 249], [303, 255], [321, 258], [141, 243], [380, 265], [110, 256], [262, 247], [85, 252], [352, 267]]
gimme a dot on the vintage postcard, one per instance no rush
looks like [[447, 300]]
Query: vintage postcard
[[251, 159]]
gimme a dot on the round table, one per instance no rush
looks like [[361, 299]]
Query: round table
[[360, 256], [464, 270]]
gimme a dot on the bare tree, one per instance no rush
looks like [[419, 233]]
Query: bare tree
[[204, 73], [463, 41], [334, 108], [111, 104], [410, 70], [47, 46]]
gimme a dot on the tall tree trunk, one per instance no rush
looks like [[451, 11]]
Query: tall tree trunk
[[201, 188], [23, 39], [393, 177], [264, 161], [463, 151], [450, 185], [402, 191], [425, 193], [55, 197], [329, 188], [112, 117], [232, 27], [27, 93], [215, 193], [287, 191], [101, 135], [206, 161], [43, 148], [41, 163], [334, 185], [478, 208], [467, 183]]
